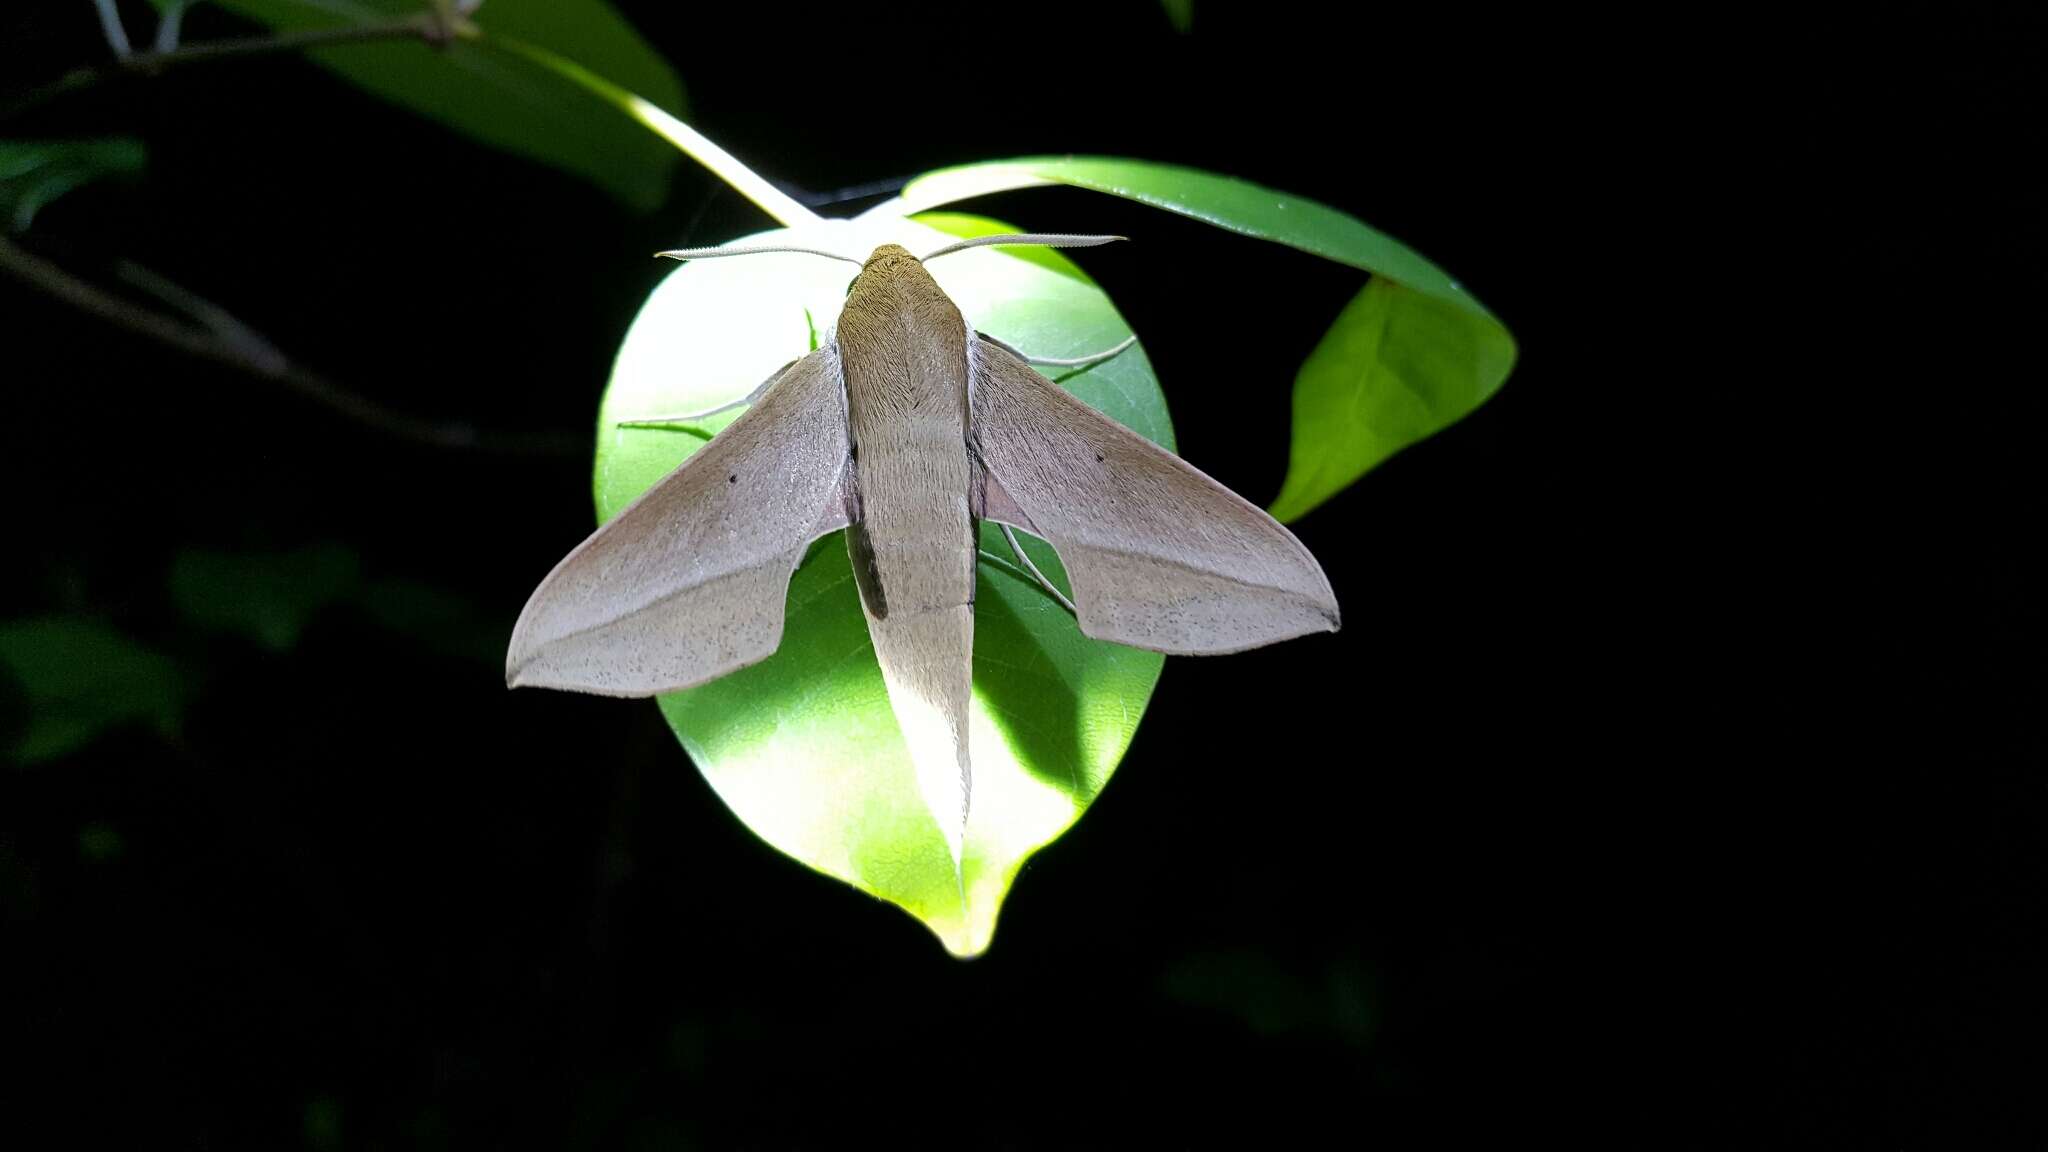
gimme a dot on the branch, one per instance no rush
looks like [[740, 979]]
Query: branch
[[426, 27], [214, 334], [110, 27]]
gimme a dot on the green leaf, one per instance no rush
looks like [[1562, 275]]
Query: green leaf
[[82, 679], [35, 172], [803, 746], [1435, 353], [505, 99], [266, 597], [1395, 367]]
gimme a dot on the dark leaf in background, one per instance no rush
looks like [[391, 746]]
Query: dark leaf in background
[[272, 597], [82, 679], [267, 598], [503, 99], [439, 620], [35, 172]]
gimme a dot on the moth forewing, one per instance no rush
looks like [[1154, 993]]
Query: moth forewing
[[1160, 556], [688, 583]]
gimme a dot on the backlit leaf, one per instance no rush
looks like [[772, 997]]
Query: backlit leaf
[[803, 746]]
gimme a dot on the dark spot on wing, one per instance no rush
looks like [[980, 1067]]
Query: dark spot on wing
[[735, 477]]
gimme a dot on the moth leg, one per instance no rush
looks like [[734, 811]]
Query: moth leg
[[1003, 562], [1057, 362], [1079, 361], [693, 417], [1017, 550]]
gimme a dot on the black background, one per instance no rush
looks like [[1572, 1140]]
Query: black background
[[1676, 778]]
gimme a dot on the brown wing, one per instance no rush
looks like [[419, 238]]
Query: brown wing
[[689, 582], [1160, 556]]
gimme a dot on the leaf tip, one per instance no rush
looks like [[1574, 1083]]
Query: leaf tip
[[963, 940]]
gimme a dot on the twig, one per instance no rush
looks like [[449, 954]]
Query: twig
[[169, 23], [425, 27], [219, 337], [111, 28]]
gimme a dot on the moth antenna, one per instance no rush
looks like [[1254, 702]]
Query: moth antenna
[[708, 253], [1044, 239]]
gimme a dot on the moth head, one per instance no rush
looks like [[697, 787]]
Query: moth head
[[888, 257], [891, 264]]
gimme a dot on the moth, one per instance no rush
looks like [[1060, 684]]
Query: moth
[[905, 429]]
